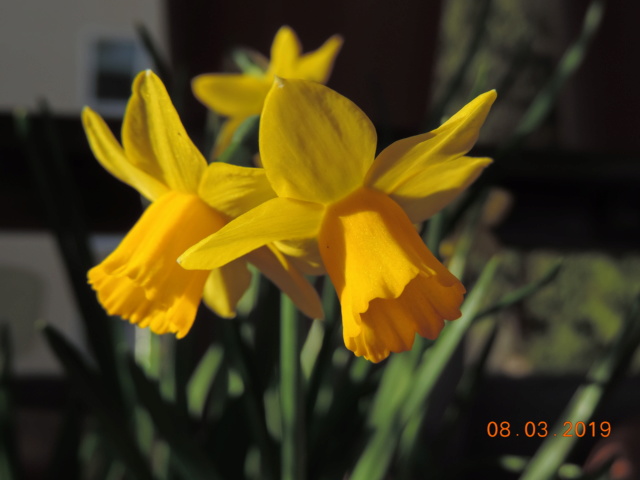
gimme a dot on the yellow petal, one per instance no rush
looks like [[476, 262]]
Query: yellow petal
[[282, 272], [315, 144], [234, 190], [426, 172], [154, 139], [225, 286], [317, 66], [304, 254], [141, 280], [285, 51], [390, 286], [111, 156], [233, 95], [276, 219]]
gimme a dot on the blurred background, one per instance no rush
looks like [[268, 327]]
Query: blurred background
[[568, 189]]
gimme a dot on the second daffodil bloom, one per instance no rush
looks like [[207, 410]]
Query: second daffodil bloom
[[141, 280], [318, 151], [239, 96]]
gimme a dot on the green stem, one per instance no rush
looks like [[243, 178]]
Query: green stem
[[293, 451]]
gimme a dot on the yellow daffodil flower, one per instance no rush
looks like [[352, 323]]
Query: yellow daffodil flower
[[239, 96], [141, 280], [318, 150]]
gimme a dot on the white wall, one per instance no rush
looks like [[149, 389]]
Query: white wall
[[44, 44]]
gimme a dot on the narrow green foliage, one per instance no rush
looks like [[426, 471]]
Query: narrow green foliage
[[252, 399], [523, 292], [546, 98], [436, 359], [52, 177], [454, 84], [187, 455], [407, 384], [91, 388], [435, 232], [203, 378], [322, 362], [293, 449], [605, 371], [458, 261]]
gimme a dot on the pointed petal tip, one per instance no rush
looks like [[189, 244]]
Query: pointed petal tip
[[148, 73], [87, 113], [278, 81], [491, 95], [191, 259], [337, 39], [143, 78]]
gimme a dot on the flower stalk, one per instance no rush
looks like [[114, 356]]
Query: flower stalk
[[291, 394]]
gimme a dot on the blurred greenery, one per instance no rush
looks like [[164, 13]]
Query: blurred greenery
[[557, 330]]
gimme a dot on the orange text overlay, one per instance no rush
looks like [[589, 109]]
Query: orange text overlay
[[542, 429]]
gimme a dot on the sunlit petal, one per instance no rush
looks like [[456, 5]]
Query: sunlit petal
[[426, 172], [154, 139], [440, 185], [315, 144], [234, 190], [276, 219], [112, 157]]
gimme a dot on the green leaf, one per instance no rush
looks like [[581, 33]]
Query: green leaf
[[545, 99], [453, 84], [187, 454], [202, 379], [252, 399], [52, 176], [322, 359], [460, 256], [97, 395], [605, 371], [523, 292], [436, 359]]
